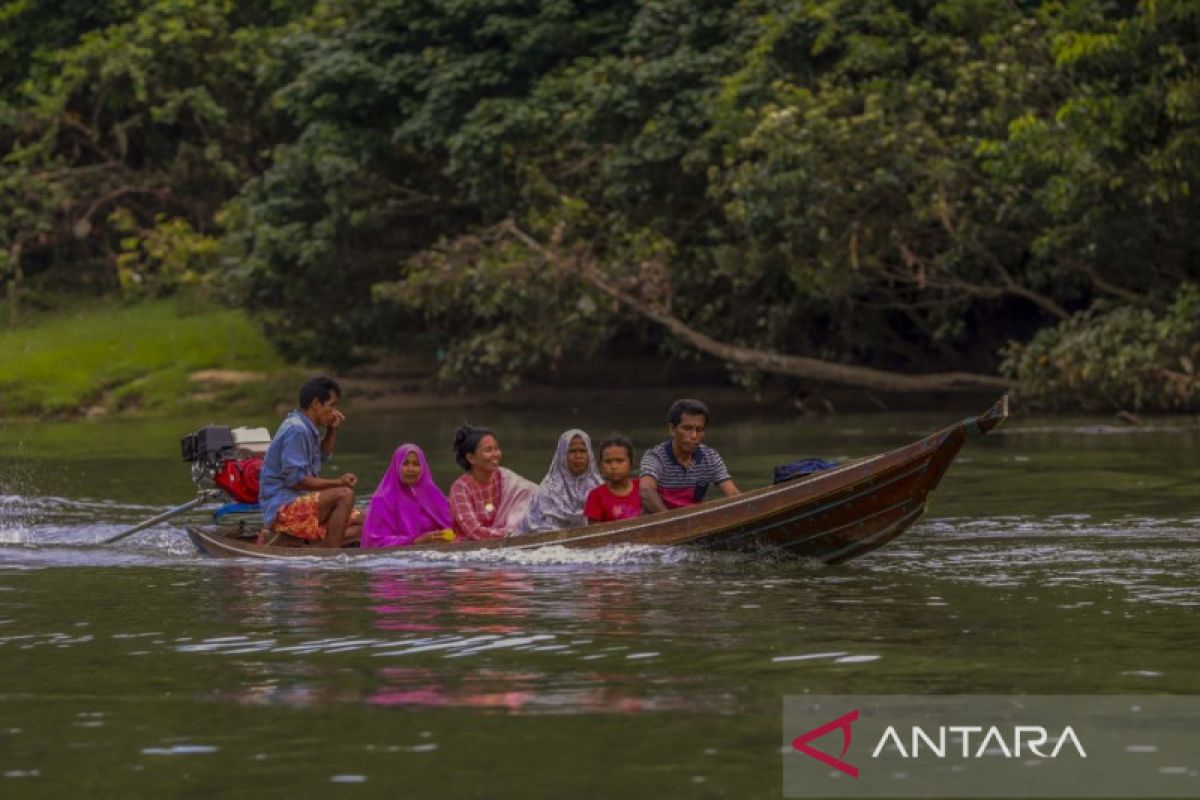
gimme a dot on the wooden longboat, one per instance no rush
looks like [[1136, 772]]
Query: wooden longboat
[[831, 516]]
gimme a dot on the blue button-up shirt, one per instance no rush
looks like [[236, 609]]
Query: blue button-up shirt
[[295, 454]]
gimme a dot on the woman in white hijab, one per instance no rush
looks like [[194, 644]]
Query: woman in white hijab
[[559, 501]]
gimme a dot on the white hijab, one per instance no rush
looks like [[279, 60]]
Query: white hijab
[[559, 501]]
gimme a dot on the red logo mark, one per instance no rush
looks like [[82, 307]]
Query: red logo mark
[[800, 743]]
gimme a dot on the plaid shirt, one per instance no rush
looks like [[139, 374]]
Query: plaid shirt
[[468, 503]]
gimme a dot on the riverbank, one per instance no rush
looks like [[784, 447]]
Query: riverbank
[[157, 357], [174, 358], [171, 357]]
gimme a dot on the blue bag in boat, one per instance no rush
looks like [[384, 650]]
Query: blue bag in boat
[[805, 466]]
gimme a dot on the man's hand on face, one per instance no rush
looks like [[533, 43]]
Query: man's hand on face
[[336, 419]]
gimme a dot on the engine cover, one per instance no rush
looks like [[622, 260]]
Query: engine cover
[[208, 444]]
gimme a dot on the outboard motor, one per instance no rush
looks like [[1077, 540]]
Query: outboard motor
[[214, 451], [208, 448]]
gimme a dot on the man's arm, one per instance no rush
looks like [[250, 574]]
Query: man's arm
[[723, 479], [648, 489], [727, 486], [330, 438], [295, 466], [312, 483]]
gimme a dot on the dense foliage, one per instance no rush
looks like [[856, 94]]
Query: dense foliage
[[907, 186], [1115, 357], [137, 130]]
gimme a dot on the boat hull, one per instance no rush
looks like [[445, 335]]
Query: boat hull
[[830, 516]]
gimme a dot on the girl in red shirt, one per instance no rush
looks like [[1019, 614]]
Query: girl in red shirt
[[618, 497]]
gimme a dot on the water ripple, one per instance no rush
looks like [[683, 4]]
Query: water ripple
[[1153, 560]]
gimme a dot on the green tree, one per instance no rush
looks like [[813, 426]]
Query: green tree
[[31, 31], [860, 192], [1115, 357], [159, 116], [411, 117]]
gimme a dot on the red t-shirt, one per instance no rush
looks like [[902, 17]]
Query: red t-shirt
[[604, 506]]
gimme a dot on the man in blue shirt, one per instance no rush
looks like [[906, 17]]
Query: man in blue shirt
[[295, 501]]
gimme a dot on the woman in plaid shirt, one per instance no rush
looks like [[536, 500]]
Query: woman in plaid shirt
[[489, 501]]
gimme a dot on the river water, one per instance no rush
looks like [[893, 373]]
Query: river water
[[1059, 556]]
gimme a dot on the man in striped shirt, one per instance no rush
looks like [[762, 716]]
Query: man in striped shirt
[[677, 472]]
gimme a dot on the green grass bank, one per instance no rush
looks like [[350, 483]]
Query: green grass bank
[[158, 357]]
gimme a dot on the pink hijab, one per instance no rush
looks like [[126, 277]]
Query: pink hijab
[[399, 513]]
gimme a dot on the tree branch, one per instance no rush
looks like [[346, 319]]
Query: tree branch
[[924, 280], [1104, 285], [763, 360], [120, 191]]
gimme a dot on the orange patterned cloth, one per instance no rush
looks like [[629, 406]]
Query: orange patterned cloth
[[300, 518]]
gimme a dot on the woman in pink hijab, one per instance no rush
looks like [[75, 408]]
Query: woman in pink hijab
[[407, 507]]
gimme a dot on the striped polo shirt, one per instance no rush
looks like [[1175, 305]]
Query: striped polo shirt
[[679, 486]]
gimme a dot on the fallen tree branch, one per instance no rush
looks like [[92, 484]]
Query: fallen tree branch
[[813, 369]]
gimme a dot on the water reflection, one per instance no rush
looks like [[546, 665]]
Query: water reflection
[[522, 692], [486, 688], [497, 640], [492, 604], [409, 602], [491, 600], [610, 603]]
